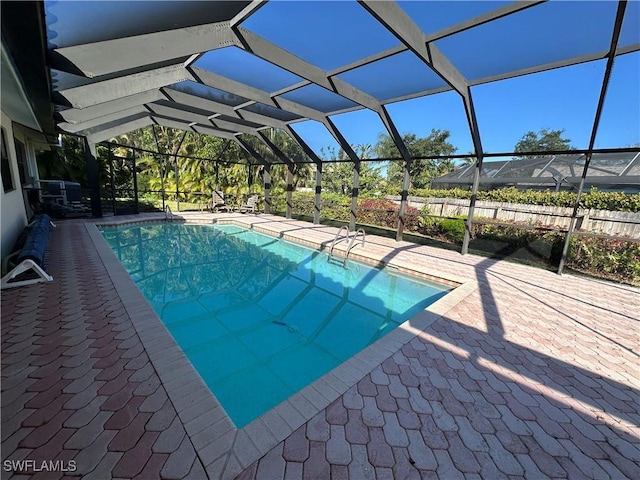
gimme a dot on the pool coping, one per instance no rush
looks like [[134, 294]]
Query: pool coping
[[224, 450]]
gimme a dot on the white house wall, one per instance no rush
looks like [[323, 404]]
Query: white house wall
[[14, 217]]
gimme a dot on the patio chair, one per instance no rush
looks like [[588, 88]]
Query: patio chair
[[250, 205], [218, 203]]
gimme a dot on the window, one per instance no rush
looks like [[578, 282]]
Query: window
[[7, 177], [21, 154]]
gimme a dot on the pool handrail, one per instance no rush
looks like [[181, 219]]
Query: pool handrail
[[337, 239], [352, 243], [168, 214]]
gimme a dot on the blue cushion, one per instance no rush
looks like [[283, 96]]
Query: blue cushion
[[36, 241]]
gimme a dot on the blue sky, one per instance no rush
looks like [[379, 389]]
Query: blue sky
[[557, 99]]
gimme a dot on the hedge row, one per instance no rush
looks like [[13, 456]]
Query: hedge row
[[615, 201], [600, 257]]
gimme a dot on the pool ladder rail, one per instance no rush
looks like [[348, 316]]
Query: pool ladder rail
[[168, 214], [348, 237]]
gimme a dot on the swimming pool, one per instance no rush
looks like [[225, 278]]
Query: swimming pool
[[259, 317]]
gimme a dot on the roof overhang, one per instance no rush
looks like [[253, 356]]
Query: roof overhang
[[26, 90]]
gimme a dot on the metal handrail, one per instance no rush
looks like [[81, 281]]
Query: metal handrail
[[168, 214], [352, 244], [337, 240]]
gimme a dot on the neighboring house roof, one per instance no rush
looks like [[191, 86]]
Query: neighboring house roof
[[566, 170]]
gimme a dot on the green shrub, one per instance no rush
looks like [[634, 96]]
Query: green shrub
[[617, 260], [450, 230], [614, 201], [384, 213], [607, 258]]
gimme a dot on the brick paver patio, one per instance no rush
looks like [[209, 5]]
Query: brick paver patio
[[531, 375]]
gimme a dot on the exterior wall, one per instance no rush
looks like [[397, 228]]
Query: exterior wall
[[12, 206]]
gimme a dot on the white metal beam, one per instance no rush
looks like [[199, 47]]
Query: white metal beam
[[247, 11], [187, 99], [108, 133], [116, 88], [251, 93], [172, 123], [507, 9], [79, 126], [236, 127], [176, 113], [78, 115], [110, 56], [210, 130]]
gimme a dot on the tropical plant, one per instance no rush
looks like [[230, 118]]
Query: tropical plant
[[422, 171], [543, 141]]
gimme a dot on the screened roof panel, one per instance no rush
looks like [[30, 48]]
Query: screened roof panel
[[237, 120], [76, 23], [319, 139], [319, 98], [630, 31], [620, 120], [548, 100], [348, 124], [260, 147], [326, 34], [184, 108], [204, 91], [289, 146], [432, 16], [549, 32], [394, 76], [114, 123], [241, 66], [270, 111], [442, 111]]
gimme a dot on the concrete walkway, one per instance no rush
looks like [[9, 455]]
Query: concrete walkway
[[531, 375]]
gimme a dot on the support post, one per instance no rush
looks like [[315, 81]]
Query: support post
[[472, 206], [135, 182], [406, 180], [175, 158], [404, 195], [93, 177], [354, 196], [162, 170], [317, 204], [266, 175], [252, 152], [596, 122], [477, 145], [318, 161], [356, 169], [177, 174], [289, 190], [111, 181]]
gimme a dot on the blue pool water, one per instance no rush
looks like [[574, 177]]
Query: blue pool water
[[259, 317]]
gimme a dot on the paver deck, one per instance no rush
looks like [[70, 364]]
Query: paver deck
[[529, 375]]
